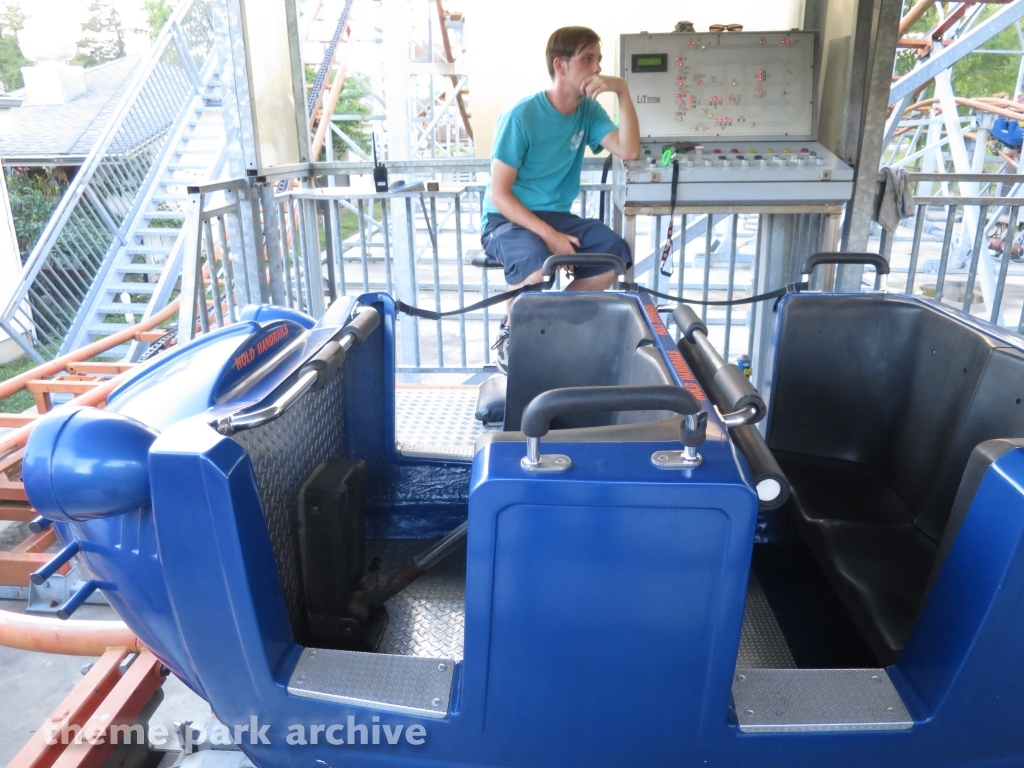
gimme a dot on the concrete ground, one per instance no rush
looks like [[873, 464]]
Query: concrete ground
[[34, 684]]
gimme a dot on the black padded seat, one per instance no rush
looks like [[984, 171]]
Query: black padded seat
[[877, 405], [878, 560], [579, 340], [843, 491], [485, 261]]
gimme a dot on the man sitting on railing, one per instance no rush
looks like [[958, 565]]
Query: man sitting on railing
[[535, 170]]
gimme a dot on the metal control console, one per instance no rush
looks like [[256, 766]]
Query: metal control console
[[738, 108], [745, 172]]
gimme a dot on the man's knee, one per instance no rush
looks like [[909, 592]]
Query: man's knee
[[605, 280], [599, 282], [532, 279]]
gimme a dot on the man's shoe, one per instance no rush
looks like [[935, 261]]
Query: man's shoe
[[500, 346]]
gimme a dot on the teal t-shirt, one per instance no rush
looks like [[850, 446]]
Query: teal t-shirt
[[547, 148]]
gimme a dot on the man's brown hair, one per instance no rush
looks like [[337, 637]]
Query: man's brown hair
[[566, 42]]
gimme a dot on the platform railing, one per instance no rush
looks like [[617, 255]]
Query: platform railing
[[963, 246], [421, 244], [217, 280], [91, 220]]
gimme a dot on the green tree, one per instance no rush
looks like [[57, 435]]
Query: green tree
[[157, 14], [11, 60], [976, 74], [104, 35], [34, 193], [351, 101]]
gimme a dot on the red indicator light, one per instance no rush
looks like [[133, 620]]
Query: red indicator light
[[716, 150], [734, 150]]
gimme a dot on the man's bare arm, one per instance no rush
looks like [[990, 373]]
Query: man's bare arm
[[624, 141], [508, 205]]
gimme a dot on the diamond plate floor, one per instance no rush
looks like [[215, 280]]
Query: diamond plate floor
[[762, 645], [428, 618], [436, 423]]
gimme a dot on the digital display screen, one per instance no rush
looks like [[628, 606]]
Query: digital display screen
[[650, 62]]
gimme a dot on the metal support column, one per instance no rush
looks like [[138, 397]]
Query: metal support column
[[877, 29], [395, 22]]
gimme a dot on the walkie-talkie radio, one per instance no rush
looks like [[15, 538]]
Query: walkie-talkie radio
[[380, 172]]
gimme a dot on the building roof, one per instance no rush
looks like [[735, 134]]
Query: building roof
[[64, 134]]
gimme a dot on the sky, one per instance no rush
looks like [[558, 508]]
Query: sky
[[130, 11]]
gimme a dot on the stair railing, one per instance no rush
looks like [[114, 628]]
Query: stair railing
[[92, 219]]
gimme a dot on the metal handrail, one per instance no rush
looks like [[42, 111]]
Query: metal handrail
[[72, 272]]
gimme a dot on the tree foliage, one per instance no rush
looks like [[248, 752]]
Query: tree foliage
[[157, 14], [976, 74], [351, 101], [11, 61], [104, 36], [34, 194]]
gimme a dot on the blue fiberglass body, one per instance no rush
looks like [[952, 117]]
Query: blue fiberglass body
[[603, 605]]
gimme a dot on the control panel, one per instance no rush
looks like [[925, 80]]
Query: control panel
[[735, 110], [748, 172], [721, 85]]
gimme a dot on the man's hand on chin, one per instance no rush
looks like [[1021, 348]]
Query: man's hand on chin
[[598, 84]]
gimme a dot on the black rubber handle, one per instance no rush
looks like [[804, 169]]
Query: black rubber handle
[[829, 257], [544, 407], [735, 388], [362, 324], [738, 392], [326, 361], [770, 483], [747, 438], [688, 321], [551, 263]]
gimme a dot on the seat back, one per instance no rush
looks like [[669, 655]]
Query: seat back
[[579, 340], [893, 384]]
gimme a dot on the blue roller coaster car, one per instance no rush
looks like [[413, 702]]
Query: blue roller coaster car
[[645, 579]]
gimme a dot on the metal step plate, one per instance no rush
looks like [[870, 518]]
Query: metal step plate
[[434, 423], [815, 700]]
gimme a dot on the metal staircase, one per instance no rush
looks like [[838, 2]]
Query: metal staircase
[[140, 277], [116, 233]]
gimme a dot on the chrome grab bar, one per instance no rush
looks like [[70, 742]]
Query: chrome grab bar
[[363, 322]]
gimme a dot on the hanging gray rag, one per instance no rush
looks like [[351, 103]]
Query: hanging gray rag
[[895, 203]]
